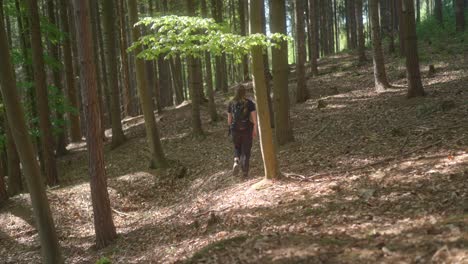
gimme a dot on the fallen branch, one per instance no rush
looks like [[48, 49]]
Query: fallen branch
[[121, 213], [320, 131]]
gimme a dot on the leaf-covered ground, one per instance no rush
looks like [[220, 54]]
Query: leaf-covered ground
[[371, 178]]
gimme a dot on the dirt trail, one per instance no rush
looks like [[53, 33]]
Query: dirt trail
[[370, 178]]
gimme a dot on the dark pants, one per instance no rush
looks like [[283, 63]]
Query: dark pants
[[242, 146]]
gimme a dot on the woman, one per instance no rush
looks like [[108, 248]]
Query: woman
[[242, 121]]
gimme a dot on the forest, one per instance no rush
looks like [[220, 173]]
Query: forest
[[119, 128]]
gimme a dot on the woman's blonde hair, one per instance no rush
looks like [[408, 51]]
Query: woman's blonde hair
[[240, 93]]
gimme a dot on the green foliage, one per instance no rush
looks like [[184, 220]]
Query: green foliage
[[193, 36], [103, 260]]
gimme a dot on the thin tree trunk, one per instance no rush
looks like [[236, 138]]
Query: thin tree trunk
[[109, 14], [103, 223], [380, 76], [74, 117], [401, 27], [220, 72], [44, 222], [360, 33], [209, 74], [279, 56], [127, 93], [243, 30], [54, 50], [418, 11], [47, 141], [158, 159], [459, 15], [413, 74], [438, 11], [313, 36], [302, 93], [176, 71], [270, 161], [15, 184]]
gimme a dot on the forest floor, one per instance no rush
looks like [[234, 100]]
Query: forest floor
[[371, 178]]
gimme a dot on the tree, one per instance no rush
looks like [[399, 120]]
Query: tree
[[50, 249], [360, 33], [158, 159], [15, 184], [460, 15], [129, 109], [47, 142], [437, 11], [118, 137], [75, 129], [270, 161], [209, 74], [220, 69], [103, 223], [413, 74], [302, 94], [380, 76], [313, 36], [401, 27], [280, 75], [243, 30]]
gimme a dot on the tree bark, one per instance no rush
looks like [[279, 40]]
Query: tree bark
[[279, 56], [129, 108], [243, 31], [47, 141], [15, 184], [459, 15], [413, 74], [302, 93], [158, 159], [418, 11], [74, 117], [50, 249], [209, 74], [220, 72], [270, 161], [176, 72], [103, 223], [109, 14], [401, 27], [438, 11], [360, 33], [380, 76], [54, 50], [313, 37]]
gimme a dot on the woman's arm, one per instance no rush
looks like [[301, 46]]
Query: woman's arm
[[229, 119], [253, 118]]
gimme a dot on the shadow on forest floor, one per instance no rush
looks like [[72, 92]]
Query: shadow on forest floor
[[371, 177]]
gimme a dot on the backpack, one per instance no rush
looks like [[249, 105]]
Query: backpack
[[240, 116]]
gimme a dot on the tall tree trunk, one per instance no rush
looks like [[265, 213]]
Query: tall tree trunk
[[313, 36], [3, 190], [418, 11], [44, 222], [54, 50], [302, 93], [243, 30], [360, 32], [270, 161], [438, 11], [74, 117], [391, 33], [103, 223], [47, 141], [101, 84], [129, 108], [352, 21], [176, 72], [158, 160], [195, 77], [380, 76], [220, 72], [413, 74], [459, 15], [279, 56], [109, 10], [401, 27], [15, 184], [209, 74]]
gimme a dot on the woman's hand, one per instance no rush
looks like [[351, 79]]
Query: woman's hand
[[254, 132]]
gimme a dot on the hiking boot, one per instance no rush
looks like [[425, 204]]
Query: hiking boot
[[235, 167]]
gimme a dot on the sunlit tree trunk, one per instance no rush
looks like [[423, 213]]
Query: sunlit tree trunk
[[380, 76], [279, 56], [158, 159], [302, 93], [413, 74], [109, 15], [270, 161], [50, 249], [47, 141]]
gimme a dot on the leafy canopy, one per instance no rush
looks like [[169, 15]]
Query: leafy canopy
[[172, 35]]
